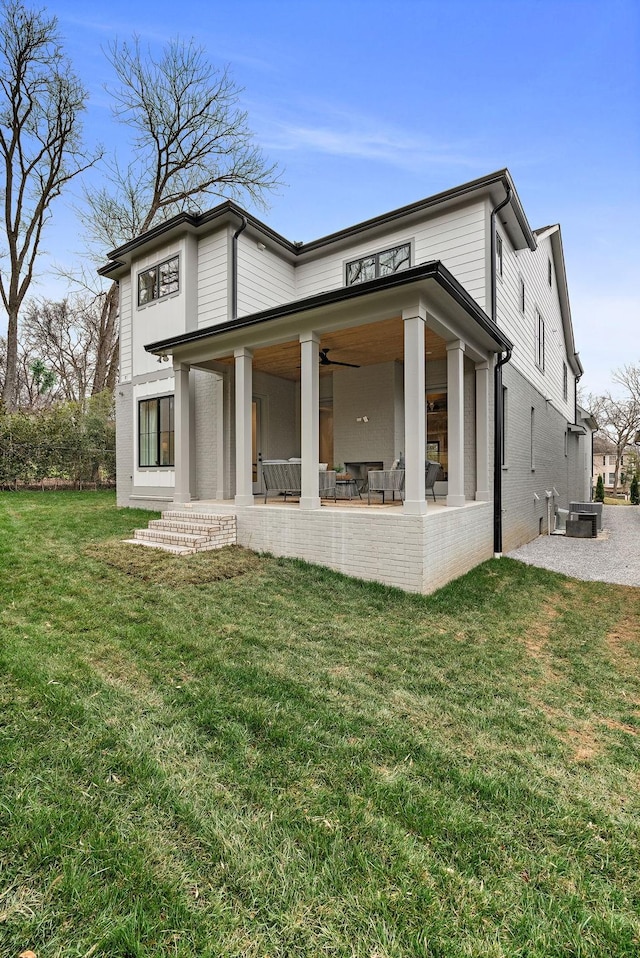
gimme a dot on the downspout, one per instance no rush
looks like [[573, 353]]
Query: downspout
[[498, 418], [234, 266]]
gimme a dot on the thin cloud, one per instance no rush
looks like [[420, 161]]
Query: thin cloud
[[387, 146]]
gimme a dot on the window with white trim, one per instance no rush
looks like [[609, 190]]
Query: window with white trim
[[158, 281], [539, 340], [385, 263], [156, 432]]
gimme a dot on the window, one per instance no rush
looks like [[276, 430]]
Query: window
[[156, 432], [533, 428], [550, 272], [604, 460], [539, 340], [522, 297], [499, 257], [505, 407], [379, 264], [565, 381], [612, 478], [159, 281]]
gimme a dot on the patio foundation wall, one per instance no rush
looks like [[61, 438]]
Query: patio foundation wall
[[414, 553]]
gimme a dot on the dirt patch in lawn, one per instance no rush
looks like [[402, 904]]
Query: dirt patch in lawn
[[164, 568]]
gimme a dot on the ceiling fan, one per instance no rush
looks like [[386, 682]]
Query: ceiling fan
[[325, 361]]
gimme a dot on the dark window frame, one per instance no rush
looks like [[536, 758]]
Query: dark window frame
[[373, 260], [154, 282], [158, 432]]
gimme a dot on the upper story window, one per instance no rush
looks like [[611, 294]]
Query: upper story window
[[159, 281], [499, 254], [550, 272], [379, 264], [539, 340], [521, 297], [565, 381]]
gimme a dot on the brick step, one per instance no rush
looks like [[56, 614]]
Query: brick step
[[185, 533], [179, 525], [165, 546], [183, 516], [189, 539]]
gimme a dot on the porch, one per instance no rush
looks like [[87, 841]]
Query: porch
[[404, 366], [381, 543]]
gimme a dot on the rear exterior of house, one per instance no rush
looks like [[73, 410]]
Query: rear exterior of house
[[438, 331]]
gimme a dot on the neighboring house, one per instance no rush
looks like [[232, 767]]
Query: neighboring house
[[604, 464], [434, 309]]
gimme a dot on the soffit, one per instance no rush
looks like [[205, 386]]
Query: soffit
[[365, 345]]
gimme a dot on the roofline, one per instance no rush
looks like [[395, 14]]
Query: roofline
[[195, 221], [484, 182], [433, 270]]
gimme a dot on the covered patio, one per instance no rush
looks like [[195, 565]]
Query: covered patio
[[411, 346]]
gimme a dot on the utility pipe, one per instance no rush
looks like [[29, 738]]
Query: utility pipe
[[498, 409]]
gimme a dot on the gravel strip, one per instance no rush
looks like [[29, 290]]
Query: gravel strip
[[613, 557]]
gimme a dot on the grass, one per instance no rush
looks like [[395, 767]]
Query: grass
[[233, 755]]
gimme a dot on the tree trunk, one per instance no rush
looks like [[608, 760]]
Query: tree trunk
[[10, 389], [104, 377]]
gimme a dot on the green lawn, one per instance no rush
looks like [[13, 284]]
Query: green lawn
[[231, 755]]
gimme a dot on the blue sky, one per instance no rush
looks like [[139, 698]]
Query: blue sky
[[371, 105]]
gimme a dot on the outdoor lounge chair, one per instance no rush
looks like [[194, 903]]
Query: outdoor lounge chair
[[284, 477], [385, 481], [431, 473]]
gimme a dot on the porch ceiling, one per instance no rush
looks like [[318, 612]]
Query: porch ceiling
[[367, 345]]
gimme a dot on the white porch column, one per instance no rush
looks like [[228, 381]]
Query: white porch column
[[414, 414], [310, 420], [182, 434], [482, 431], [244, 395], [455, 421]]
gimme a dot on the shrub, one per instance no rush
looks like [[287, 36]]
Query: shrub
[[600, 489]]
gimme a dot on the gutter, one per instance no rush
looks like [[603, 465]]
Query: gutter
[[234, 265], [498, 409]]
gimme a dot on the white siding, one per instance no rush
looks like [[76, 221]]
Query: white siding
[[126, 332], [265, 279], [213, 286], [457, 238], [521, 328]]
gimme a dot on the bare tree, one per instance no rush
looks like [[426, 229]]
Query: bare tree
[[191, 141], [41, 101], [618, 421], [66, 334]]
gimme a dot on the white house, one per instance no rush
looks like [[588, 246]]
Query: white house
[[441, 330]]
